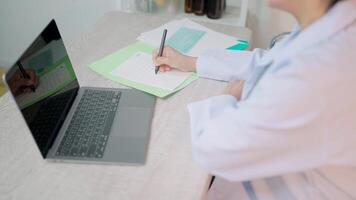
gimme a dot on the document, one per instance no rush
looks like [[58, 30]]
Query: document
[[184, 39], [108, 65], [209, 40], [140, 68]]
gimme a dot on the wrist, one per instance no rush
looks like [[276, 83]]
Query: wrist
[[191, 63]]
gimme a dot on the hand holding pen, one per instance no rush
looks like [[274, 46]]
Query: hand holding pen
[[23, 80], [172, 59], [160, 53]]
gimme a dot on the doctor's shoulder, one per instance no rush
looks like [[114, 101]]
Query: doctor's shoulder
[[333, 58], [329, 66]]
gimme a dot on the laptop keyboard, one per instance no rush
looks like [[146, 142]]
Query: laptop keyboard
[[47, 119], [88, 131]]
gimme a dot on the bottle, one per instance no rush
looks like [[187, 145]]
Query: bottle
[[215, 8], [188, 6], [199, 7]]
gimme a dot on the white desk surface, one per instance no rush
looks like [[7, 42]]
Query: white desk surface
[[169, 173]]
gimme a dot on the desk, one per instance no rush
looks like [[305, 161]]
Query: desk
[[169, 173]]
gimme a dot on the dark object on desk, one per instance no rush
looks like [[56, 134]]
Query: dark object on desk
[[188, 6], [215, 8], [199, 7], [25, 75], [160, 53]]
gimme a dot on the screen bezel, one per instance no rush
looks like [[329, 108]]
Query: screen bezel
[[6, 79]]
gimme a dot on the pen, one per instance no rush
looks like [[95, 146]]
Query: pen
[[25, 75], [160, 53]]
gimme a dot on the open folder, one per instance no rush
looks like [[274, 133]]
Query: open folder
[[116, 67]]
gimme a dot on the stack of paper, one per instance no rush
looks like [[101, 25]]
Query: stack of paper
[[132, 66], [140, 68], [209, 39]]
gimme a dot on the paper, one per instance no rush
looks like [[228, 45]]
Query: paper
[[140, 68], [184, 39], [210, 40], [107, 64], [153, 37]]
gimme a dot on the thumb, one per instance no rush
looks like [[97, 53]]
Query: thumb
[[163, 61]]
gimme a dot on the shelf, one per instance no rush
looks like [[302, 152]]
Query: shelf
[[231, 16], [234, 15]]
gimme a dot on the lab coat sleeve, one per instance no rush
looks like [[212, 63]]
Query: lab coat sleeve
[[277, 130], [226, 65]]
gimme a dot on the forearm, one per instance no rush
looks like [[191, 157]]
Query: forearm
[[226, 65], [190, 63]]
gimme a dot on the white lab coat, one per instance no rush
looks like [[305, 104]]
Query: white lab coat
[[293, 133]]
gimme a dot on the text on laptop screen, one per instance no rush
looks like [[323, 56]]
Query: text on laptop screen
[[44, 85]]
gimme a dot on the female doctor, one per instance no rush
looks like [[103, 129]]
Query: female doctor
[[285, 127]]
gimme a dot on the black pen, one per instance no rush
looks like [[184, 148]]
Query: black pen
[[25, 75], [160, 53]]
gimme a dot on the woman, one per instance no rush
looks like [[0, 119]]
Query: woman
[[285, 128]]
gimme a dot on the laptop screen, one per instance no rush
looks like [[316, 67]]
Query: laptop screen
[[44, 86]]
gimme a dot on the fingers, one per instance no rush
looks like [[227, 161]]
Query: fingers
[[20, 85], [31, 73], [164, 68], [28, 85], [33, 82], [26, 90], [163, 61]]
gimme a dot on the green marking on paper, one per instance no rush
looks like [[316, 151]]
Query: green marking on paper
[[241, 45], [107, 64], [184, 39]]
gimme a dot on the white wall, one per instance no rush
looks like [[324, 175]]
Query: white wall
[[22, 20], [266, 22], [262, 20]]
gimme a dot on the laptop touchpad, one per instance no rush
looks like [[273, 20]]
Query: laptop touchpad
[[132, 122], [129, 135]]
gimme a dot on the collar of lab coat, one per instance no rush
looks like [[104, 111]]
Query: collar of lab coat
[[342, 15]]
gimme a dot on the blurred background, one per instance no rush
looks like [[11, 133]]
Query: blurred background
[[20, 20]]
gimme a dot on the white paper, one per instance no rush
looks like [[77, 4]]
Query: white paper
[[140, 68], [211, 40]]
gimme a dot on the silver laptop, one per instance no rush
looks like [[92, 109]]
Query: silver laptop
[[73, 123]]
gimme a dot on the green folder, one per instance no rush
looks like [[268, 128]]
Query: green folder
[[107, 64]]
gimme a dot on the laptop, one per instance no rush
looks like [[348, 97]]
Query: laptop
[[73, 123]]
